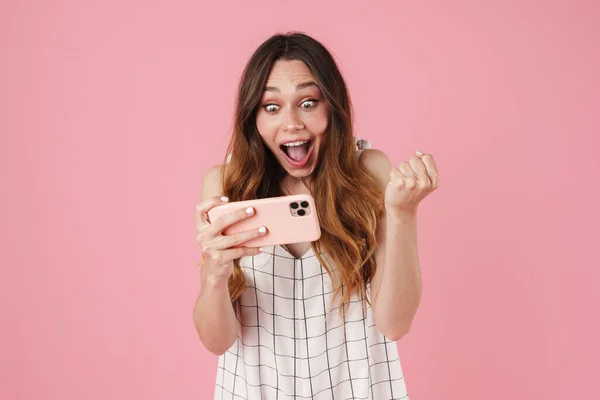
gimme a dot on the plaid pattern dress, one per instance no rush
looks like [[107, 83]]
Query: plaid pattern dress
[[293, 344]]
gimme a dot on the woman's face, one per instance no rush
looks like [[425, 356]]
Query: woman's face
[[292, 118]]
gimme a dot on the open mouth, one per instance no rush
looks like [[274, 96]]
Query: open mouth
[[297, 153]]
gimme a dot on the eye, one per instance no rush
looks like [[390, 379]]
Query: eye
[[271, 108], [309, 103]]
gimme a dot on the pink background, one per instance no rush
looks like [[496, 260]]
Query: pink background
[[112, 111]]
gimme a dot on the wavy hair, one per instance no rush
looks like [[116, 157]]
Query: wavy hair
[[348, 201]]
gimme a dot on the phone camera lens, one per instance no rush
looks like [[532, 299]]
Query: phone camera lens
[[294, 205], [301, 212], [304, 204]]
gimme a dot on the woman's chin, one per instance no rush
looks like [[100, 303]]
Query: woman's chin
[[296, 172]]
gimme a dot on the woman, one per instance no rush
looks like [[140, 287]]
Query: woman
[[309, 320]]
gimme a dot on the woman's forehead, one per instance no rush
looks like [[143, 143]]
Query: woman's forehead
[[289, 74]]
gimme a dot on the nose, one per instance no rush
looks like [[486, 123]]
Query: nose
[[292, 122]]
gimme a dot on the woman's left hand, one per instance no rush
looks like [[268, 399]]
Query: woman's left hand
[[410, 183]]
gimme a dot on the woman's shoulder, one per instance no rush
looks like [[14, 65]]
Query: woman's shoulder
[[212, 184], [377, 164]]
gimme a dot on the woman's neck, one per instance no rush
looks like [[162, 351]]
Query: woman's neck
[[292, 185]]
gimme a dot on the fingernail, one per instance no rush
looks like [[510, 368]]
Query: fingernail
[[224, 198], [418, 153], [262, 229], [249, 210]]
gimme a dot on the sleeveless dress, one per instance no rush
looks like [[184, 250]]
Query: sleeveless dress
[[293, 344]]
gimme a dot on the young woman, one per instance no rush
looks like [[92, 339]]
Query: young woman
[[309, 320]]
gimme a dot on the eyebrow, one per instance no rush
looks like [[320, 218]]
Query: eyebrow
[[298, 87]]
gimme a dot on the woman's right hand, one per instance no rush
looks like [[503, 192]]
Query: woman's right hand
[[218, 251]]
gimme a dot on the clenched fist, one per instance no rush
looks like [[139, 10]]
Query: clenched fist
[[410, 183]]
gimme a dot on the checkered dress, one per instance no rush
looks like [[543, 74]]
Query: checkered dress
[[293, 344]]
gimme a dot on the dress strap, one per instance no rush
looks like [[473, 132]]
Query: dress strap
[[361, 145]]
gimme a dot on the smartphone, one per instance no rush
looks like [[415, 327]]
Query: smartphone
[[288, 219]]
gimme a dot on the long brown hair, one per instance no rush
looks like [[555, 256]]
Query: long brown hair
[[348, 201]]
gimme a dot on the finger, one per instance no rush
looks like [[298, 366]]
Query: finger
[[238, 252], [223, 257], [432, 171], [396, 178], [418, 166], [202, 210], [231, 218], [410, 177], [230, 241], [407, 170]]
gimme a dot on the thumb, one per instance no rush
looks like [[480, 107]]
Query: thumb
[[395, 174]]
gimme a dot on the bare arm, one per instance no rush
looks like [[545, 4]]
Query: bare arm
[[396, 287], [214, 316]]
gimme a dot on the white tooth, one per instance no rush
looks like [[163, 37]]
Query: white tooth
[[299, 143]]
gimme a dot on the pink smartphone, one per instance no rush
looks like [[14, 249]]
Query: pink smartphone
[[289, 219]]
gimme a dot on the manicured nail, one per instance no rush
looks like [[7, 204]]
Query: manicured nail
[[418, 153], [262, 229], [224, 198], [249, 210]]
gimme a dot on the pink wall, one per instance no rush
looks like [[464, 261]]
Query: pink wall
[[112, 111]]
